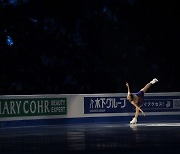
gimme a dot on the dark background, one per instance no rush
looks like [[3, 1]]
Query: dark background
[[88, 46]]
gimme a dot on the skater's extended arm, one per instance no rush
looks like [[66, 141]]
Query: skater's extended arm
[[129, 95], [127, 85]]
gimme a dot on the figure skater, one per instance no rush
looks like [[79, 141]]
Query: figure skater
[[137, 99]]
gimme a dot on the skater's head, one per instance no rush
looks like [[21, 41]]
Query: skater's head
[[130, 97]]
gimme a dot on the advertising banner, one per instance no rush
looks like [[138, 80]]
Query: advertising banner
[[161, 104], [105, 105], [32, 107], [121, 105]]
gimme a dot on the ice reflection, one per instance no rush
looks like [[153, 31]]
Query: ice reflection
[[76, 140], [92, 137]]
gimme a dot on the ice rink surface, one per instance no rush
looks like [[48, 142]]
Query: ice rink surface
[[106, 138]]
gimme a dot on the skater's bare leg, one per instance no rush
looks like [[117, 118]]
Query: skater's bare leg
[[148, 85], [137, 113]]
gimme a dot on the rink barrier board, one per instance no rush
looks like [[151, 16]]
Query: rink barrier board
[[56, 109]]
